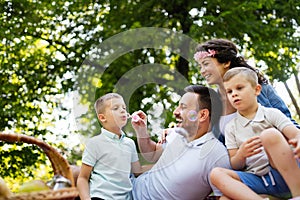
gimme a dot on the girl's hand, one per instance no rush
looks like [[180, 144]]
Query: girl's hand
[[159, 146], [139, 124]]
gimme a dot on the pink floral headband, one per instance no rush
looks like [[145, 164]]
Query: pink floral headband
[[203, 54]]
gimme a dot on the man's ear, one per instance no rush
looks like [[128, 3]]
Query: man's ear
[[101, 118], [203, 114]]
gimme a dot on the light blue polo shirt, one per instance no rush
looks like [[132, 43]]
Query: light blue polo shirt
[[111, 158]]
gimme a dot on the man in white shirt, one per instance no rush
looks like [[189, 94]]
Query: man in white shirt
[[183, 167]]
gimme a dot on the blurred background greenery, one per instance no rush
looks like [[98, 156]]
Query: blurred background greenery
[[48, 81]]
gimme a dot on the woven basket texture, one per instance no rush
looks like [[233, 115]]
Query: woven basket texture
[[60, 167]]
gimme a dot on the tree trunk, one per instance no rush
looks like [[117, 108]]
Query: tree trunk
[[292, 98], [297, 81]]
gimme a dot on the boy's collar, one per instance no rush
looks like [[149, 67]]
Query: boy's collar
[[112, 135], [259, 116]]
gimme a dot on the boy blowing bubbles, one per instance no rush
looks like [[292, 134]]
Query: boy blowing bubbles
[[110, 157], [258, 141]]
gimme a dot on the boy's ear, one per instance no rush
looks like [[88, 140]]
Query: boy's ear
[[257, 89], [101, 118]]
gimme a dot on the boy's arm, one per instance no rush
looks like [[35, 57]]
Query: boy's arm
[[236, 160], [249, 148], [137, 169], [83, 182]]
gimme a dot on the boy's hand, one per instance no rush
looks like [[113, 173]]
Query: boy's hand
[[251, 147], [295, 142]]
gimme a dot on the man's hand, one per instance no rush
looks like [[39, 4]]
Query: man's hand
[[139, 124]]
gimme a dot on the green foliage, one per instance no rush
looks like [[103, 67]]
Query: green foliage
[[47, 50], [16, 158]]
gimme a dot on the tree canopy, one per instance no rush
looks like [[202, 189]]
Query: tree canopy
[[142, 49]]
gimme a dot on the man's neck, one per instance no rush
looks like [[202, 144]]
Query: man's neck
[[203, 129]]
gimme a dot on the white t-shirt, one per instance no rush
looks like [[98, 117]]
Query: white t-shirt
[[182, 172]]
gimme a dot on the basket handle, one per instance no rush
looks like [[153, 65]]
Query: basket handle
[[59, 164]]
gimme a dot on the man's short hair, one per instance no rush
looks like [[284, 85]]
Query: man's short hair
[[208, 99]]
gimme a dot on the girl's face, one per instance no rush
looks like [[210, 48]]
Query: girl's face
[[212, 70]]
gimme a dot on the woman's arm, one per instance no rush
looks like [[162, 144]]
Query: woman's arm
[[270, 98]]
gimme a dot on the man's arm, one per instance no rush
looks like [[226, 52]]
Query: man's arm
[[137, 169], [148, 148]]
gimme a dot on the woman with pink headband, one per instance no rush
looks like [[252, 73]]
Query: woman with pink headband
[[215, 57]]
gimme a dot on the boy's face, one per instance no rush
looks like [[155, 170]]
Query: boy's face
[[115, 114], [186, 113], [240, 93]]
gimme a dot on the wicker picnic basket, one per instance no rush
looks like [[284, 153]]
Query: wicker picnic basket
[[60, 167]]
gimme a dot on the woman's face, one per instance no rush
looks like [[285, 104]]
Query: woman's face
[[212, 70]]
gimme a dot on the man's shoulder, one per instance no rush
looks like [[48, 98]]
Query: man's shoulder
[[215, 148]]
